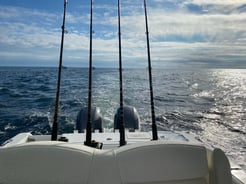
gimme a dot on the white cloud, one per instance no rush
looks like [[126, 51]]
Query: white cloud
[[177, 35], [222, 2]]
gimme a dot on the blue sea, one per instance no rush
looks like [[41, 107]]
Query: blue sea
[[209, 103]]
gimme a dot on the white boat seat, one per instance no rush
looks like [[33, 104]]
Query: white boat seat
[[41, 163], [154, 162], [163, 163], [172, 163]]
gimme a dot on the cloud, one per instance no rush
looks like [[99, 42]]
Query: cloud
[[221, 2], [188, 32]]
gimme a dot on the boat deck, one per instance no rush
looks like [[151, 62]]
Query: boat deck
[[110, 143], [108, 138]]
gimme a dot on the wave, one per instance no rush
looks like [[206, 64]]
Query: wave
[[3, 105], [166, 99], [196, 101], [231, 128], [9, 127], [5, 90], [176, 121]]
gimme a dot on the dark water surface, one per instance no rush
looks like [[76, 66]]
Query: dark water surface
[[210, 103]]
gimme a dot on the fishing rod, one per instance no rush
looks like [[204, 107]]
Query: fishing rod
[[55, 124], [154, 127], [88, 127], [122, 126]]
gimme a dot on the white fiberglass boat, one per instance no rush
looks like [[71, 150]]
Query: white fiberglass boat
[[123, 155], [176, 157]]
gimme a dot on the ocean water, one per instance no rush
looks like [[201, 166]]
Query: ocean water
[[209, 103]]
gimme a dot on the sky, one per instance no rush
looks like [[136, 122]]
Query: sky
[[183, 33]]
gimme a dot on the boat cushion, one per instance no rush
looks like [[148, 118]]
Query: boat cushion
[[50, 162], [104, 168], [156, 162]]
